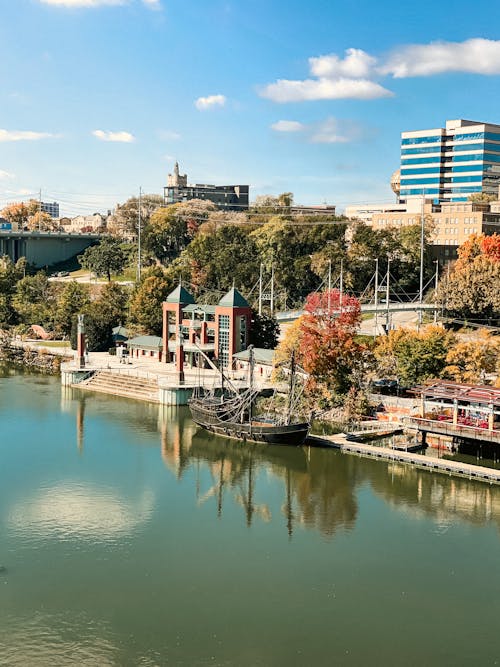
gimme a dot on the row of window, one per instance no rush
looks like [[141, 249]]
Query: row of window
[[477, 178], [421, 140]]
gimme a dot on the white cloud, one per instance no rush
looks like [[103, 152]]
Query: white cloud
[[153, 4], [334, 131], [324, 89], [23, 135], [287, 126], [204, 103], [120, 137], [357, 64], [5, 175], [328, 131], [477, 56]]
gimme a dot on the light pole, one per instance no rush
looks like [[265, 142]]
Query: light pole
[[436, 280], [422, 239], [376, 298], [139, 238]]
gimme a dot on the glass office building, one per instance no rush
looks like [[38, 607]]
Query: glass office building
[[451, 163]]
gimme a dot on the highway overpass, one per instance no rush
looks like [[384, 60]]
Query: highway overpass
[[44, 248]]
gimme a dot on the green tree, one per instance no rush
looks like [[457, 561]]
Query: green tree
[[34, 300], [73, 298], [218, 259], [264, 331], [104, 259], [146, 304], [10, 273], [413, 356]]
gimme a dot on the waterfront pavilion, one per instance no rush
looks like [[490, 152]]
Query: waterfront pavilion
[[467, 409]]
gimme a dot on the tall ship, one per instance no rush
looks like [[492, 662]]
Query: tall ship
[[230, 412]]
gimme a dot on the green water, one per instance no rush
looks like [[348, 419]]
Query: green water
[[131, 538]]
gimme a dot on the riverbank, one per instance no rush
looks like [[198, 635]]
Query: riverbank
[[36, 358]]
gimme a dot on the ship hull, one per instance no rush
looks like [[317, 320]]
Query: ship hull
[[261, 432]]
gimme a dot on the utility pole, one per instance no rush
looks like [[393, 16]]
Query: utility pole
[[387, 295], [376, 297], [436, 280], [422, 238], [260, 289], [139, 238], [40, 210]]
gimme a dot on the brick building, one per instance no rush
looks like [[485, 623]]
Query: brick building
[[219, 330]]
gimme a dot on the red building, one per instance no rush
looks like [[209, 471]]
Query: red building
[[219, 330]]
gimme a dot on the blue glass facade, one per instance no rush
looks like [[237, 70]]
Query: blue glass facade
[[455, 160]]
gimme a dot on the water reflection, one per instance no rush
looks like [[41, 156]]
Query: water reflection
[[319, 488], [79, 511]]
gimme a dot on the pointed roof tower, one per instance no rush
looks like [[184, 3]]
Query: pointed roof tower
[[233, 299], [180, 295]]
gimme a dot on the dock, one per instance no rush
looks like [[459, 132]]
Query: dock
[[433, 464]]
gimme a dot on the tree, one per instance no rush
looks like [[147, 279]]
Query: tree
[[18, 214], [34, 300], [218, 260], [482, 197], [472, 290], [413, 356], [74, 298], [470, 361], [146, 304], [103, 259], [10, 273], [124, 221], [42, 221], [264, 331], [101, 316]]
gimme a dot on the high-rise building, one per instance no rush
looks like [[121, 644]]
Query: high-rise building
[[52, 208], [226, 197], [451, 163]]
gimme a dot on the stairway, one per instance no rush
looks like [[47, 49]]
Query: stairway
[[121, 384]]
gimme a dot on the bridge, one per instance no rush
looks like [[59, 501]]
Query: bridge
[[44, 248], [381, 309]]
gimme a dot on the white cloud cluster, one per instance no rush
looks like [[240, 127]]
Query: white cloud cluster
[[354, 76], [118, 137], [328, 131], [5, 175], [209, 102], [475, 56], [23, 135]]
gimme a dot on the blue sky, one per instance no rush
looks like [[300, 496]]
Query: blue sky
[[99, 97]]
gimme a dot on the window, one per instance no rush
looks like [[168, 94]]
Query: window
[[224, 324]]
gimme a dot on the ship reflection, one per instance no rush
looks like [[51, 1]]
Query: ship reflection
[[318, 488]]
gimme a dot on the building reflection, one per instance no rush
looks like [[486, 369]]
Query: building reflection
[[319, 487]]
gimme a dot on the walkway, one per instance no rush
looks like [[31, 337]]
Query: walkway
[[430, 463]]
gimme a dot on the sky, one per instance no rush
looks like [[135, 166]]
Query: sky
[[99, 98]]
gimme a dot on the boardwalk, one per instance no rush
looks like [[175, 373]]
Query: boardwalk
[[430, 463]]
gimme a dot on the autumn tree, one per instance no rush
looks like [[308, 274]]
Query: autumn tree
[[328, 349], [41, 221], [124, 221], [18, 214], [471, 291], [171, 228], [413, 356], [469, 361]]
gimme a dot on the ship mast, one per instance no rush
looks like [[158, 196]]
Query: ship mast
[[291, 388]]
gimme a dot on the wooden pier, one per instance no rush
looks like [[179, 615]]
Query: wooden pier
[[430, 463]]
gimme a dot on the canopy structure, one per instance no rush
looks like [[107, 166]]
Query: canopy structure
[[453, 391]]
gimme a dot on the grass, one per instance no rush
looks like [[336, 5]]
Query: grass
[[53, 343]]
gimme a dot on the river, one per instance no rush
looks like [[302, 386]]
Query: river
[[129, 537]]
